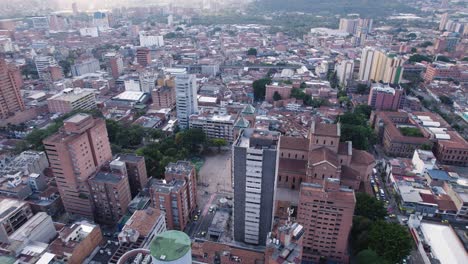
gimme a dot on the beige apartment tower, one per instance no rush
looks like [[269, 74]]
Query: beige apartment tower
[[75, 153]]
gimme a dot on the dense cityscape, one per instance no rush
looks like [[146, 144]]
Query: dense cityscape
[[252, 131]]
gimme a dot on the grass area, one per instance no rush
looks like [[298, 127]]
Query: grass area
[[197, 162], [410, 132]]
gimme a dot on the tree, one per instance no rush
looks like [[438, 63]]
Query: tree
[[446, 100], [364, 110], [276, 96], [369, 207], [419, 58], [443, 58], [362, 88], [218, 142], [390, 240], [333, 79], [252, 52], [259, 87], [369, 256], [303, 85]]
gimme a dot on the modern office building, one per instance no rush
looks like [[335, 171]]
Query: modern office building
[[377, 65], [11, 101], [75, 153], [385, 97], [344, 71], [186, 98], [89, 65], [71, 99], [110, 192], [326, 212], [254, 172]]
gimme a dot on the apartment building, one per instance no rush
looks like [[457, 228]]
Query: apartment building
[[14, 215], [75, 153], [176, 194], [386, 97], [326, 212], [215, 126], [136, 172], [110, 192], [11, 101], [71, 99]]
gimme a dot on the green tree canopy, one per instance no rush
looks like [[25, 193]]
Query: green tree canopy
[[446, 100], [419, 58], [369, 256], [390, 240], [276, 96], [369, 207], [252, 52], [218, 142], [259, 87]]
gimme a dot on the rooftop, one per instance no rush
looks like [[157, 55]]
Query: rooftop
[[445, 245], [72, 94], [170, 245]]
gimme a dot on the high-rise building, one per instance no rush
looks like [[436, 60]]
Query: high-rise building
[[344, 71], [11, 101], [42, 65], [114, 63], [110, 192], [72, 99], [85, 66], [377, 65], [443, 21], [186, 98], [255, 170], [75, 8], [163, 97], [385, 97], [348, 25], [147, 81], [176, 194], [143, 56], [326, 212], [101, 20], [75, 153]]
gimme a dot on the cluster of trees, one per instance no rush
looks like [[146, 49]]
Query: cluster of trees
[[355, 128], [307, 99], [252, 52], [373, 240], [259, 87], [344, 7], [446, 100], [420, 58], [171, 149]]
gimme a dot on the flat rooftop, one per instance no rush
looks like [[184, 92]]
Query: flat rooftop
[[77, 118], [170, 245], [445, 245]]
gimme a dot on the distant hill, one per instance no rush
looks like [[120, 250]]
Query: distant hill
[[366, 8]]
